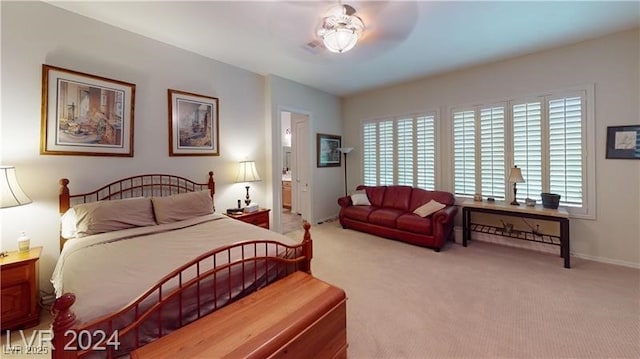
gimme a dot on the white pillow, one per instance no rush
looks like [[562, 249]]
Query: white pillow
[[429, 208], [359, 198], [68, 224]]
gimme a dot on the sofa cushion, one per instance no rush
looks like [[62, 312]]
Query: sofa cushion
[[359, 198], [413, 223], [428, 208], [375, 194], [358, 213], [397, 197], [385, 216]]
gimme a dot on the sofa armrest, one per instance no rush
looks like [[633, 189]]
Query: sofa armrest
[[345, 201], [445, 216], [443, 221]]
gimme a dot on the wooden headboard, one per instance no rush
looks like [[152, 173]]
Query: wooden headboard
[[146, 185]]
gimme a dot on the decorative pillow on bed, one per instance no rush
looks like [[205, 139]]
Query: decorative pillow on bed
[[108, 216], [182, 206], [428, 208], [359, 198]]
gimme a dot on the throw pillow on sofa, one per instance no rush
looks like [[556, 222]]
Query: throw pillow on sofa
[[359, 198], [428, 208]]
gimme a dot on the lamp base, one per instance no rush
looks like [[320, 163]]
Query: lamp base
[[514, 203], [247, 200]]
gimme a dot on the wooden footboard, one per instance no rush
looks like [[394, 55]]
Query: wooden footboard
[[128, 329]]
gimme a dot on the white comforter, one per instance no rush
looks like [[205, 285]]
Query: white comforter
[[109, 270]]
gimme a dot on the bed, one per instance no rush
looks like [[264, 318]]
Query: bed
[[145, 255]]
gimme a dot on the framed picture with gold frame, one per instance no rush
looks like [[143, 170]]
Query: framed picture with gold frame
[[193, 124], [85, 115]]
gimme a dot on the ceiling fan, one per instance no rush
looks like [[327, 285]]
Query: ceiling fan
[[372, 25]]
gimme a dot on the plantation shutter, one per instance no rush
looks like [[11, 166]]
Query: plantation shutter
[[492, 151], [464, 153], [405, 151], [385, 148], [370, 153], [400, 151], [565, 149], [426, 152], [527, 148]]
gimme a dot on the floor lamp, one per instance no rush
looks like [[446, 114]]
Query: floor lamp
[[345, 151]]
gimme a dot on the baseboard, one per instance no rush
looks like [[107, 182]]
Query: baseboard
[[541, 247], [327, 219], [607, 260]]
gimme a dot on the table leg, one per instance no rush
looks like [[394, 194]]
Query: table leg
[[564, 242], [466, 226]]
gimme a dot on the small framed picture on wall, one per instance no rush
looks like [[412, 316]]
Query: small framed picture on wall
[[328, 150], [193, 124], [623, 142]]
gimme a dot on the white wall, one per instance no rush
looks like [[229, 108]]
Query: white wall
[[324, 109], [611, 63], [35, 33]]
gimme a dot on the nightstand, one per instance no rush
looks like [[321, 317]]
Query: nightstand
[[259, 218], [19, 289]]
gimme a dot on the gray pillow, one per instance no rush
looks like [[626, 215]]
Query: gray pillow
[[182, 206], [107, 216]]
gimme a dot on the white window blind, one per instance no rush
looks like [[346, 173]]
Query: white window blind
[[565, 149], [492, 147], [400, 151], [405, 151], [385, 148], [527, 147], [370, 153], [464, 153], [545, 137], [425, 142]]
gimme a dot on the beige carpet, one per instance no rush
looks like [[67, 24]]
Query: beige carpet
[[483, 301]]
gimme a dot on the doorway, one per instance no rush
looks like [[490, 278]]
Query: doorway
[[295, 189]]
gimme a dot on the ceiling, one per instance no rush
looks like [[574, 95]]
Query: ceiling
[[402, 39]]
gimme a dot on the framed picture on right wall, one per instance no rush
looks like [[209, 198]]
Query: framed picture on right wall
[[623, 142]]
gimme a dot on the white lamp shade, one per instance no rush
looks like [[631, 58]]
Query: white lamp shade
[[247, 172], [515, 176], [345, 149], [11, 195]]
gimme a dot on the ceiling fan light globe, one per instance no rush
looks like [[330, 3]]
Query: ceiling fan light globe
[[340, 40], [340, 29]]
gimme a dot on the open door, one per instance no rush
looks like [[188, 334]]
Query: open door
[[300, 156]]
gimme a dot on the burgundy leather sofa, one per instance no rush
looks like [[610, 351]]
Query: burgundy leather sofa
[[390, 215]]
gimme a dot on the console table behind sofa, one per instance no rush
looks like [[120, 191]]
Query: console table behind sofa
[[559, 215]]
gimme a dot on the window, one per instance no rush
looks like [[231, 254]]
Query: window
[[545, 136], [400, 151]]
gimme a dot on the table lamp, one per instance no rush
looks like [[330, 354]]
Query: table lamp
[[247, 173], [11, 195], [515, 176]]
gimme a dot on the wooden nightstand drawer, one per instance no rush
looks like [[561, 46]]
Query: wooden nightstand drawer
[[258, 218], [15, 274]]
